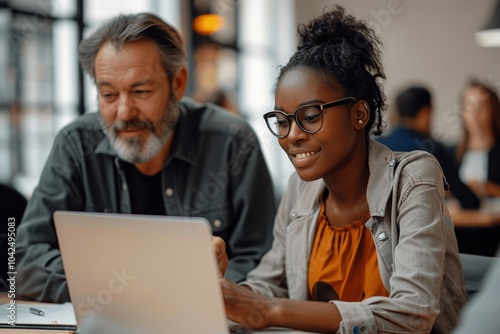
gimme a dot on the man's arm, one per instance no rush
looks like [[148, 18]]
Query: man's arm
[[39, 265], [255, 207]]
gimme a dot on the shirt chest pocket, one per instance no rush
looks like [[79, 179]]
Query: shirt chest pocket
[[219, 218]]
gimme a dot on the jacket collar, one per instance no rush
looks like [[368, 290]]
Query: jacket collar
[[382, 164], [184, 146]]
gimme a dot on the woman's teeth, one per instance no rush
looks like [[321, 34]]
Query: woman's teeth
[[305, 155]]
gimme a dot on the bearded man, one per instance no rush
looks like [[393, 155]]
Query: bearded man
[[148, 150]]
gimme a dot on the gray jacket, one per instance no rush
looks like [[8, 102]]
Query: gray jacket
[[414, 237], [215, 170]]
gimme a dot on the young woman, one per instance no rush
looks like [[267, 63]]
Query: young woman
[[479, 151], [363, 242]]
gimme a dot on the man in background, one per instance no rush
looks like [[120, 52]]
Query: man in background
[[414, 108], [147, 151]]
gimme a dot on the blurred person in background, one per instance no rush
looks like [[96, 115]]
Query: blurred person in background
[[412, 132], [478, 153]]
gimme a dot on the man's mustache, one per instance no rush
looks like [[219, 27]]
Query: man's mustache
[[132, 124]]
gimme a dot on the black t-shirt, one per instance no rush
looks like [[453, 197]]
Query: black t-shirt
[[145, 191]]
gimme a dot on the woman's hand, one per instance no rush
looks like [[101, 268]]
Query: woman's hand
[[485, 189], [255, 311], [246, 307], [492, 189], [219, 247]]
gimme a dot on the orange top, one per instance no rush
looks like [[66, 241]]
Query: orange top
[[343, 264]]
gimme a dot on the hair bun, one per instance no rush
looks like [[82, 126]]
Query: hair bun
[[332, 27], [345, 49]]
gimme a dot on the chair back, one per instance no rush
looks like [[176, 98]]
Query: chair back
[[475, 268], [12, 206]]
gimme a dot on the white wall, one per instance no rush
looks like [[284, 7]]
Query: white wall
[[428, 42]]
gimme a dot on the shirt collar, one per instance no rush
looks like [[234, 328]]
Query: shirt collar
[[186, 136]]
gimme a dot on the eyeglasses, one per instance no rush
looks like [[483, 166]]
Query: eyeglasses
[[309, 118]]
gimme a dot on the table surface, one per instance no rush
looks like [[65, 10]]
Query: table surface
[[37, 331], [487, 216], [4, 299], [40, 331], [475, 218]]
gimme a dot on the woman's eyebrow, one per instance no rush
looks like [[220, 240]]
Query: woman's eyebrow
[[313, 101], [305, 103]]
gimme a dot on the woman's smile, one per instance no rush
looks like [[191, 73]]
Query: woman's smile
[[304, 158]]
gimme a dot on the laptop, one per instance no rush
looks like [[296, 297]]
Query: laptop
[[140, 274]]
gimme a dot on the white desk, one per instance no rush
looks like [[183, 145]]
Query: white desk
[[13, 330]]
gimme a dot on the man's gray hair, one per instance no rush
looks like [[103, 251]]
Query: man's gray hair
[[123, 29]]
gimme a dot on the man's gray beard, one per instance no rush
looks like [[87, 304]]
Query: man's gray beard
[[135, 149]]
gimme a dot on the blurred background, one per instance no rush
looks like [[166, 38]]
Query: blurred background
[[234, 48]]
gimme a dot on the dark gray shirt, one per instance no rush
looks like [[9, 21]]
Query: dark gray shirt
[[215, 170]]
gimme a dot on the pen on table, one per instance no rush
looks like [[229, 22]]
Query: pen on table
[[36, 311]]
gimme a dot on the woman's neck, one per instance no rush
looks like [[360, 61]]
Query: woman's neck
[[346, 200]]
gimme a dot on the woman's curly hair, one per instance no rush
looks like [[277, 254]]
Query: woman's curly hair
[[345, 49]]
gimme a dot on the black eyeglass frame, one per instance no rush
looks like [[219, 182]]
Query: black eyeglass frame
[[320, 107]]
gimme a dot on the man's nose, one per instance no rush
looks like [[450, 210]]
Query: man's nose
[[126, 108]]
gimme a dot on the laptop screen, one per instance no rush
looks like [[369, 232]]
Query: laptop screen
[[140, 274]]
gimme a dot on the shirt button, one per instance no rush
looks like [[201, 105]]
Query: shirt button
[[169, 192], [217, 223]]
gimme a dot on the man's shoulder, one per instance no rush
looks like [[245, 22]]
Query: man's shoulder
[[405, 140], [392, 136], [86, 127], [215, 120], [86, 122]]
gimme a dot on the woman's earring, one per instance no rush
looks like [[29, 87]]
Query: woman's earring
[[360, 121], [366, 106]]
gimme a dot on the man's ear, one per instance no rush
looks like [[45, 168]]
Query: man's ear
[[426, 111], [179, 82]]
